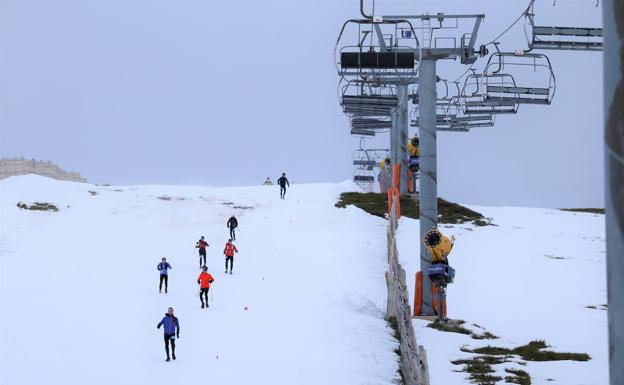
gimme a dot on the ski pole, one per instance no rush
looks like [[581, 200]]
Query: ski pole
[[211, 298], [198, 290]]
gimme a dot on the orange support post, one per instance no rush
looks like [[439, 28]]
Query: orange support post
[[396, 175], [434, 291], [410, 182], [418, 294], [398, 199]]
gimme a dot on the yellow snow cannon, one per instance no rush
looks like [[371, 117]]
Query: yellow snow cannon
[[439, 245], [413, 146]]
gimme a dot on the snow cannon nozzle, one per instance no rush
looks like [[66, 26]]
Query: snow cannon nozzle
[[439, 245]]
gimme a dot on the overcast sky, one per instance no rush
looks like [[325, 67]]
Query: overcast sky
[[230, 92]]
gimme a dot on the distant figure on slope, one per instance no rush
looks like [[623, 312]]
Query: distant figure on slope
[[204, 280], [229, 251], [232, 223], [171, 329], [201, 245], [163, 267], [283, 181], [267, 182]]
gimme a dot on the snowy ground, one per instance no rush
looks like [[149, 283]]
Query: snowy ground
[[530, 277], [79, 298]]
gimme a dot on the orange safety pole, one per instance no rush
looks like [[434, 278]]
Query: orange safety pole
[[396, 175], [410, 182], [418, 294], [434, 292], [398, 199]]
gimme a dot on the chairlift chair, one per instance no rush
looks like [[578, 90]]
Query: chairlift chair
[[363, 159], [475, 98], [360, 98], [562, 38], [501, 86], [378, 49]]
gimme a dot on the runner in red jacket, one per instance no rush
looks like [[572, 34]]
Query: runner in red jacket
[[229, 251], [204, 280]]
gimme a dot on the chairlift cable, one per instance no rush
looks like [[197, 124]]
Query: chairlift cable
[[525, 13]]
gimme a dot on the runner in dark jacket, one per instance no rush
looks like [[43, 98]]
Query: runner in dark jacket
[[232, 223], [172, 330], [283, 181], [201, 245]]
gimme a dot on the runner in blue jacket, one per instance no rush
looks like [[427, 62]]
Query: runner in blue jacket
[[163, 267], [172, 330]]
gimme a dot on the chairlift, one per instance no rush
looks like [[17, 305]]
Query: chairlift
[[360, 98], [363, 159], [475, 98], [501, 86], [378, 49], [450, 117], [562, 38], [368, 159]]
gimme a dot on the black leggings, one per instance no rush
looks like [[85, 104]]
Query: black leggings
[[202, 253], [231, 259], [203, 292], [163, 277], [282, 191], [169, 339], [232, 233]]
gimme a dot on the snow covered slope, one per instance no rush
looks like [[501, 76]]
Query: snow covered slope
[[531, 277], [79, 299]]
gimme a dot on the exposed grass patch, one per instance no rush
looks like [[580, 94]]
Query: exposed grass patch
[[484, 336], [244, 207], [456, 326], [37, 206], [227, 203], [519, 377], [480, 369], [377, 204], [451, 326], [553, 256], [164, 198], [92, 192], [586, 210], [533, 351]]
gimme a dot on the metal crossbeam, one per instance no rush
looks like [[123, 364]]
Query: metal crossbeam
[[567, 45], [374, 99], [363, 178], [510, 101], [519, 90], [490, 110], [567, 31], [366, 163], [360, 132]]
